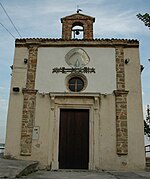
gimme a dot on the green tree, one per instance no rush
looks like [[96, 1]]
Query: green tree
[[145, 18], [147, 122]]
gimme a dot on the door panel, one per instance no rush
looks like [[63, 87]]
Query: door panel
[[74, 139]]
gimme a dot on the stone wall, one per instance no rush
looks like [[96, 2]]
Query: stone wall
[[121, 105], [29, 103]]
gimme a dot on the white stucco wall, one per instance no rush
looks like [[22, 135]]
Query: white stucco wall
[[102, 59], [134, 108], [14, 118]]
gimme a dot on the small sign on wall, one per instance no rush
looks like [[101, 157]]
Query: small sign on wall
[[36, 132]]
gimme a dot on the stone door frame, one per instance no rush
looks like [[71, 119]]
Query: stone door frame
[[60, 102]]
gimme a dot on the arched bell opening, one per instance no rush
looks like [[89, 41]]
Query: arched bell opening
[[77, 31]]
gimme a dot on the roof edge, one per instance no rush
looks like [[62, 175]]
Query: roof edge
[[46, 42], [79, 14]]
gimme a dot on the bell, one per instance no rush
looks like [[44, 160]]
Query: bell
[[77, 32]]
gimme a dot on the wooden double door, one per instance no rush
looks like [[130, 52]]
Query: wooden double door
[[74, 139]]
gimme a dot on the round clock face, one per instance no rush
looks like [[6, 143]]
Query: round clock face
[[77, 58]]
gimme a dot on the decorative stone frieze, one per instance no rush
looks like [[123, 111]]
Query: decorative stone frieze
[[29, 104], [121, 104]]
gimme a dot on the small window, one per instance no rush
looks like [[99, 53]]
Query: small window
[[76, 83]]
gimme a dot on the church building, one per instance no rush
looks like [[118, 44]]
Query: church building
[[76, 102]]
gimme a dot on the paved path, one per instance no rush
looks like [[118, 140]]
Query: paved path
[[88, 175]]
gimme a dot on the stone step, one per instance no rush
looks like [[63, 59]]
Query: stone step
[[16, 168], [30, 168]]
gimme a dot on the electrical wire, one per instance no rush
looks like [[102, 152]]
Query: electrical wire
[[7, 30], [10, 19]]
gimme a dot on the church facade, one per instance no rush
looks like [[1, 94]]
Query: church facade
[[76, 103]]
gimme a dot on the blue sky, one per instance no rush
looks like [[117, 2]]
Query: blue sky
[[41, 18]]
